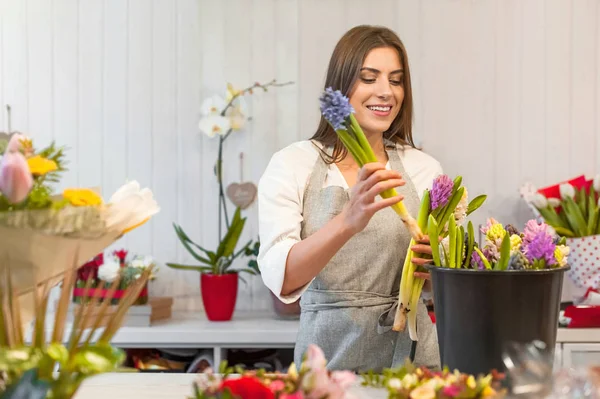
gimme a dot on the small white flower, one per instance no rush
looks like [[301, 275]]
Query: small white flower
[[554, 202], [213, 106], [539, 201], [395, 383], [214, 125], [409, 381], [596, 183], [142, 262], [566, 191], [527, 191], [109, 271]]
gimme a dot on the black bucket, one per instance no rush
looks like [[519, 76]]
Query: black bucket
[[479, 312]]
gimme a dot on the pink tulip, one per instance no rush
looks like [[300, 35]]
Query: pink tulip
[[14, 144], [315, 358], [15, 178]]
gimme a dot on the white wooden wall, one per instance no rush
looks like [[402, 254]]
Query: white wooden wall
[[506, 91]]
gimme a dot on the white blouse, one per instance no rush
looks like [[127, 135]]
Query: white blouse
[[280, 195]]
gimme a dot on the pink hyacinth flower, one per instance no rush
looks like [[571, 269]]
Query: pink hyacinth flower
[[15, 177]]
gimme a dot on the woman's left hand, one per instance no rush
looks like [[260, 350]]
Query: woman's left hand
[[423, 247]]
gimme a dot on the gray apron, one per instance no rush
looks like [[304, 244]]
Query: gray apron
[[348, 310]]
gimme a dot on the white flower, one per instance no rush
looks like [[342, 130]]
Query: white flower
[[539, 201], [142, 262], [109, 270], [460, 212], [213, 106], [596, 183], [566, 191], [527, 191], [394, 383], [130, 206], [409, 381], [214, 124], [554, 202]]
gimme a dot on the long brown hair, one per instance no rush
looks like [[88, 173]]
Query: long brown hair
[[344, 70]]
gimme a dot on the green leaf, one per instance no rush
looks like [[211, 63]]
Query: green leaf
[[432, 231], [185, 240], [460, 246], [227, 246], [486, 262], [476, 203], [575, 217], [423, 215], [98, 358], [58, 352], [504, 253], [580, 195], [452, 242], [457, 183], [451, 207], [471, 244], [201, 269], [362, 140]]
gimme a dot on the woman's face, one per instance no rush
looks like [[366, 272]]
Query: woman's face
[[378, 93]]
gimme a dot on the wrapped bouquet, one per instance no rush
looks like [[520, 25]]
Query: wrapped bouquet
[[572, 209], [46, 236]]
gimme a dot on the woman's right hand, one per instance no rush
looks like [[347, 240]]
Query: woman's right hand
[[373, 178]]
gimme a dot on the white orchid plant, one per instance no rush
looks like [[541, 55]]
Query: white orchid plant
[[222, 116]]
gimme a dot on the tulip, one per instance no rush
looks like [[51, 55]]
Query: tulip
[[15, 179], [16, 143], [539, 201], [553, 202], [566, 191]]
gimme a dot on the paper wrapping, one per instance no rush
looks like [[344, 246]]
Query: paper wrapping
[[35, 258]]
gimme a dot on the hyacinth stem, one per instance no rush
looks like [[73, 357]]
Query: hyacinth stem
[[357, 144], [406, 302]]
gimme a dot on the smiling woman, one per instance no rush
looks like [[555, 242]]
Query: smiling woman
[[327, 235]]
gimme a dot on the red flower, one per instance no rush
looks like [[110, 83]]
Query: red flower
[[90, 269], [247, 388], [121, 255]]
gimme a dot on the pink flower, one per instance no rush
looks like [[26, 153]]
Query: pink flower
[[277, 386], [14, 144], [451, 390], [315, 358], [344, 379], [296, 395], [15, 177]]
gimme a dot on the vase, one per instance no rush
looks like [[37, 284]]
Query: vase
[[479, 312], [287, 311], [219, 294]]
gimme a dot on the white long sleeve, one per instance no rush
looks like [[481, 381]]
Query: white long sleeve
[[280, 203]]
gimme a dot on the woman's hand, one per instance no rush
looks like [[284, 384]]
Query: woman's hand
[[423, 248], [373, 178]]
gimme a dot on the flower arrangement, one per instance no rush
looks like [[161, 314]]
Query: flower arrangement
[[311, 381], [414, 382], [505, 248], [104, 270], [442, 208], [338, 112], [46, 236], [572, 208]]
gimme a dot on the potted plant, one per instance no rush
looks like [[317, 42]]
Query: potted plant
[[490, 296], [282, 310], [218, 280]]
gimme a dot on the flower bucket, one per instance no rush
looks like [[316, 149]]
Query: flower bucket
[[584, 260], [219, 294], [479, 312], [79, 292]]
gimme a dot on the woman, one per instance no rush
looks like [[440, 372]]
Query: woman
[[326, 235]]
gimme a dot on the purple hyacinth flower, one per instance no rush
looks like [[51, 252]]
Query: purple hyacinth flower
[[441, 191], [532, 229], [541, 247], [476, 261], [335, 107]]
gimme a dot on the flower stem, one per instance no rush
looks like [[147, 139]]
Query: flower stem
[[222, 203]]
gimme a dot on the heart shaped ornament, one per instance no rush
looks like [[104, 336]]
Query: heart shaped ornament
[[242, 194]]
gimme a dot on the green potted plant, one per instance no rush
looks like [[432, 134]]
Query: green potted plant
[[218, 279]]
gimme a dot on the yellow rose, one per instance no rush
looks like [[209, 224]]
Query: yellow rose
[[82, 197], [40, 166]]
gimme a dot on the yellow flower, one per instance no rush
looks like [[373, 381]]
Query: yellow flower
[[488, 392], [496, 232], [82, 197], [423, 392], [471, 382], [515, 243], [560, 253], [40, 166]]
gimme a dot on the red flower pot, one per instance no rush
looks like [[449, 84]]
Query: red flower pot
[[219, 293]]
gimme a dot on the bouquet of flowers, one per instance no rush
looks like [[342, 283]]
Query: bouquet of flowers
[[421, 383], [572, 209], [46, 236], [505, 248], [311, 381], [443, 208], [336, 109], [104, 270]]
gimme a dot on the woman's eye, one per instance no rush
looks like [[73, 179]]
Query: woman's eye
[[396, 82], [368, 80]]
